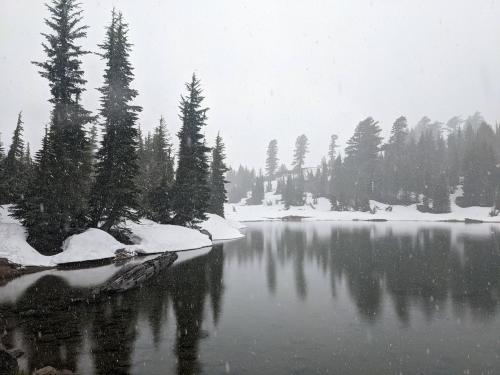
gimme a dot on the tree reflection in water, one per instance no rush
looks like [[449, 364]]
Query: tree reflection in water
[[419, 270]]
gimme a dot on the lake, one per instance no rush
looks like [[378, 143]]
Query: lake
[[290, 298]]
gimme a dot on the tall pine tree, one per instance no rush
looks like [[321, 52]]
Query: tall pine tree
[[218, 169], [14, 177], [161, 169], [272, 159], [114, 194], [60, 208], [299, 154], [191, 191]]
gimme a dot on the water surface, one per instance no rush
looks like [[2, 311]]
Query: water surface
[[290, 298]]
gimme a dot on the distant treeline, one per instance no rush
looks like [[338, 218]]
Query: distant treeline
[[82, 177], [421, 165]]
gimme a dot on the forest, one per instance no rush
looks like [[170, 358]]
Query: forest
[[422, 164], [97, 170]]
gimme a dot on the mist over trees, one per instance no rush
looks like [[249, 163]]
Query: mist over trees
[[419, 165]]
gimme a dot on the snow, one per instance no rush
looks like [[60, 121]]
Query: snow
[[15, 249], [221, 229], [273, 209], [93, 244], [151, 237]]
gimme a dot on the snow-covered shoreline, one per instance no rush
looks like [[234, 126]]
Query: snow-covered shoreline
[[320, 211], [94, 245]]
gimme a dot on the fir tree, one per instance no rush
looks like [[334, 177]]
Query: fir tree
[[161, 167], [40, 219], [114, 194], [362, 162], [396, 163], [3, 186], [93, 143], [14, 178], [191, 191], [332, 150], [299, 154], [272, 159], [258, 193], [218, 169], [63, 200], [441, 196]]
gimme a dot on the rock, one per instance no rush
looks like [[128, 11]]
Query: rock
[[48, 370], [122, 254], [206, 233], [132, 276], [8, 364], [472, 221]]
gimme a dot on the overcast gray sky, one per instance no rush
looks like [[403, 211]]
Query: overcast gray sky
[[275, 68]]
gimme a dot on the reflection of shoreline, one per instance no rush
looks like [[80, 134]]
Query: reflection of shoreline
[[423, 266], [54, 331], [83, 278]]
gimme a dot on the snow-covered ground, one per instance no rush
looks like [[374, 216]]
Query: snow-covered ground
[[151, 237], [273, 209], [222, 229], [94, 244]]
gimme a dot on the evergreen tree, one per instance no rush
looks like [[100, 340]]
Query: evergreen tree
[[114, 194], [3, 186], [93, 143], [441, 196], [332, 152], [289, 192], [240, 183], [479, 168], [161, 169], [258, 193], [60, 208], [362, 162], [218, 169], [191, 191], [396, 163], [13, 177], [40, 219], [299, 154], [272, 159], [338, 186]]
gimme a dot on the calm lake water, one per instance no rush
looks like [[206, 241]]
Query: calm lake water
[[290, 298]]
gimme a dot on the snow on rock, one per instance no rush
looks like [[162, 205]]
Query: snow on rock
[[220, 228], [151, 237], [93, 244], [15, 249]]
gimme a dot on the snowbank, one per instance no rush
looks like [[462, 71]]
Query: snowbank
[[221, 229], [151, 237], [320, 210], [15, 249], [93, 244]]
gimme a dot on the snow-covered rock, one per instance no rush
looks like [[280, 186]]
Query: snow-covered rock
[[93, 244], [220, 228], [151, 237]]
